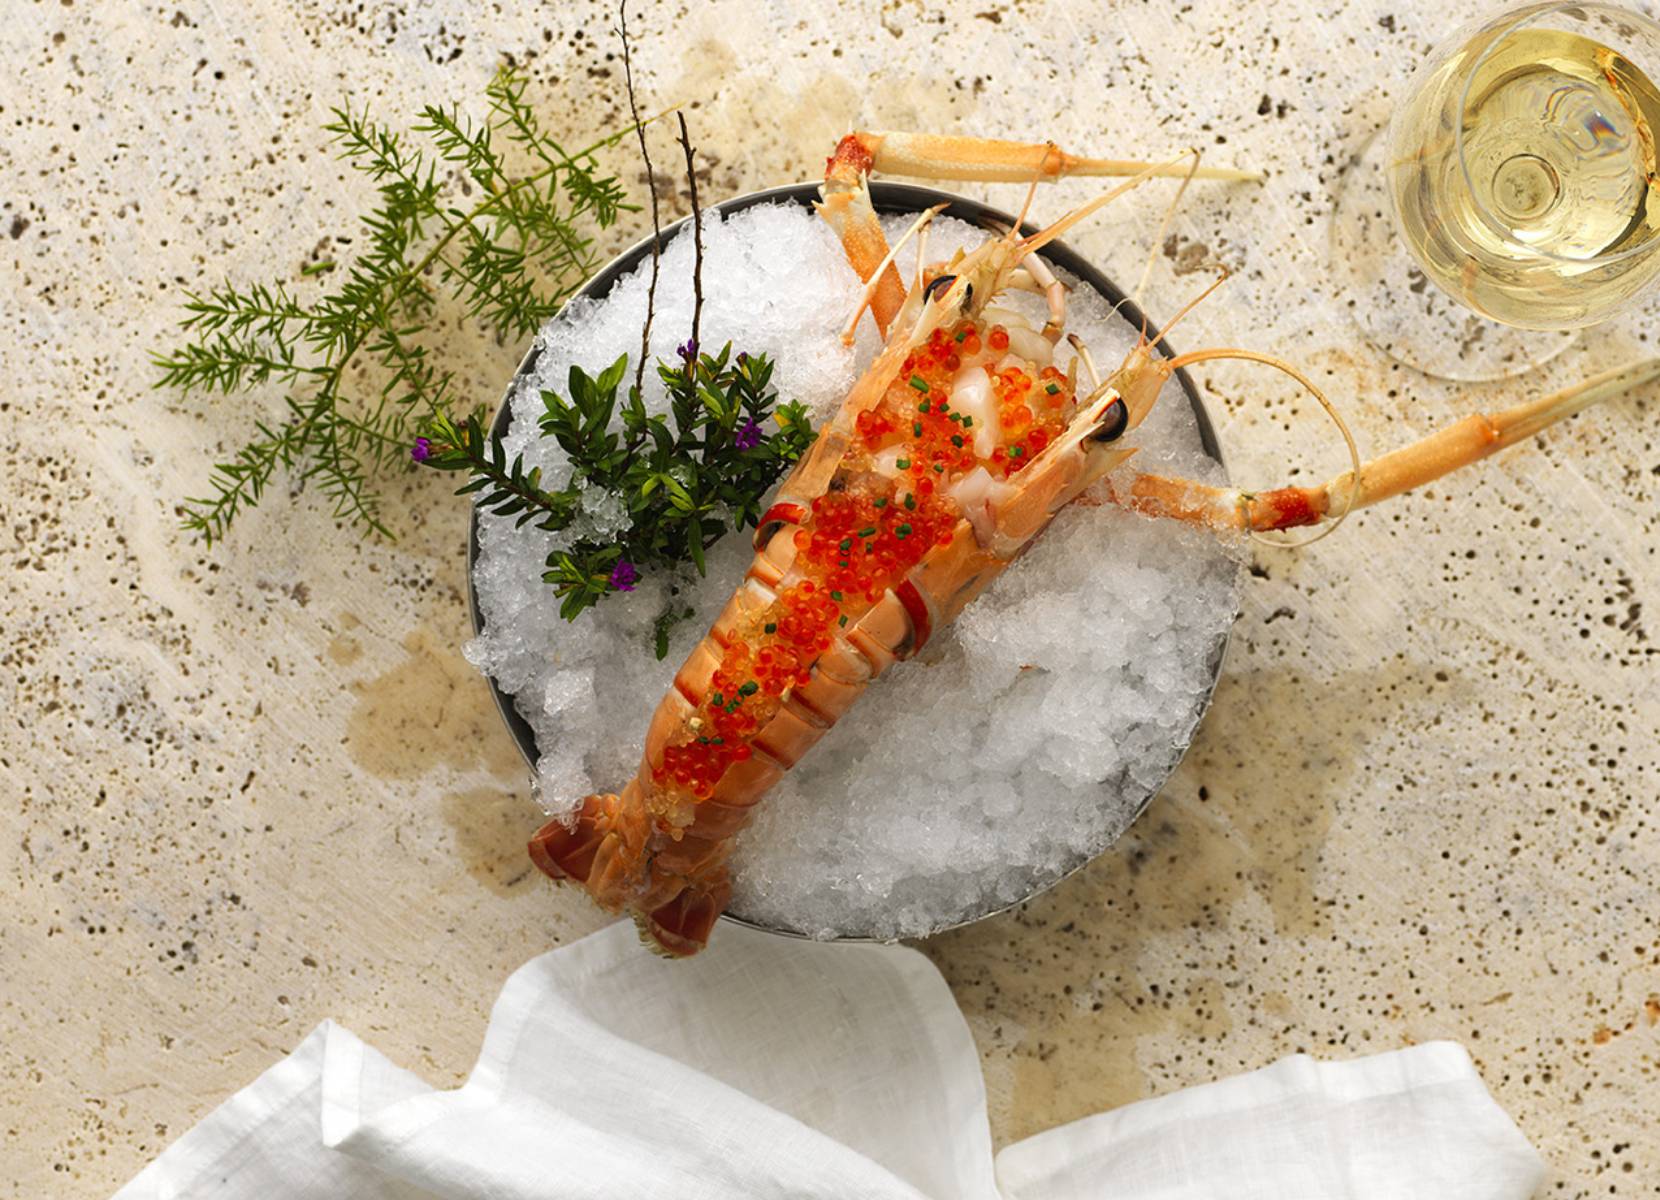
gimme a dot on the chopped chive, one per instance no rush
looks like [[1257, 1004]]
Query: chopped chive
[[845, 545], [939, 468], [1053, 388], [967, 422], [1016, 451], [869, 546], [718, 700], [720, 741], [703, 741], [923, 407], [749, 689], [957, 417], [904, 464], [903, 531], [881, 502], [910, 501], [835, 595], [843, 621], [916, 428], [842, 563], [957, 440], [770, 627], [733, 707], [919, 383], [866, 532]]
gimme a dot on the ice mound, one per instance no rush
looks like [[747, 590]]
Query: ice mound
[[1020, 743]]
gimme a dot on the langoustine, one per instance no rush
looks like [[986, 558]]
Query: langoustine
[[946, 460]]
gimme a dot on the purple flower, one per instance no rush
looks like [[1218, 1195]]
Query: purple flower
[[624, 576], [688, 352], [421, 450], [748, 436], [743, 358]]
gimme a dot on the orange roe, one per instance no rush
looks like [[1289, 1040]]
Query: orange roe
[[859, 541]]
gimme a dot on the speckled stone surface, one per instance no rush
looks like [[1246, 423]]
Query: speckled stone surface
[[250, 788]]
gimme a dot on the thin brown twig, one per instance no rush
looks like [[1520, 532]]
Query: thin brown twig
[[651, 184], [697, 232]]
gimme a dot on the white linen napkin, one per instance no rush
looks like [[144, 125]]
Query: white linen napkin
[[772, 1068]]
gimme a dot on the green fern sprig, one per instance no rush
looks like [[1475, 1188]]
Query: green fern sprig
[[510, 259]]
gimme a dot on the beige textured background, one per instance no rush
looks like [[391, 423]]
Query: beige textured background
[[248, 789]]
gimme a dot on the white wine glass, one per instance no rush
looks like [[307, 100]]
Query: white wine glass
[[1514, 196]]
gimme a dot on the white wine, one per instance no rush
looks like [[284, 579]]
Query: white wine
[[1558, 145], [1525, 179]]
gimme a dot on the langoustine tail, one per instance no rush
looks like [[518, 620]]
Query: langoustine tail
[[681, 927], [602, 848], [675, 888]]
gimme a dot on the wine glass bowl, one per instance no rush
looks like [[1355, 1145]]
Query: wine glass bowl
[[1514, 196], [1522, 169]]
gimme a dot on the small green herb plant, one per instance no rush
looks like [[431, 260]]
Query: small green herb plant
[[493, 215], [685, 477]]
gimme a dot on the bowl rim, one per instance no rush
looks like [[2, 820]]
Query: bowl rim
[[886, 198]]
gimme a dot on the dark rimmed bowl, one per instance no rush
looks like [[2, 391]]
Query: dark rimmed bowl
[[887, 198]]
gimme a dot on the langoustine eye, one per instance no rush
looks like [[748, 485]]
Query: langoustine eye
[[939, 283], [1114, 421]]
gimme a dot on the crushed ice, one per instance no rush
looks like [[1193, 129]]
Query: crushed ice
[[1021, 742]]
